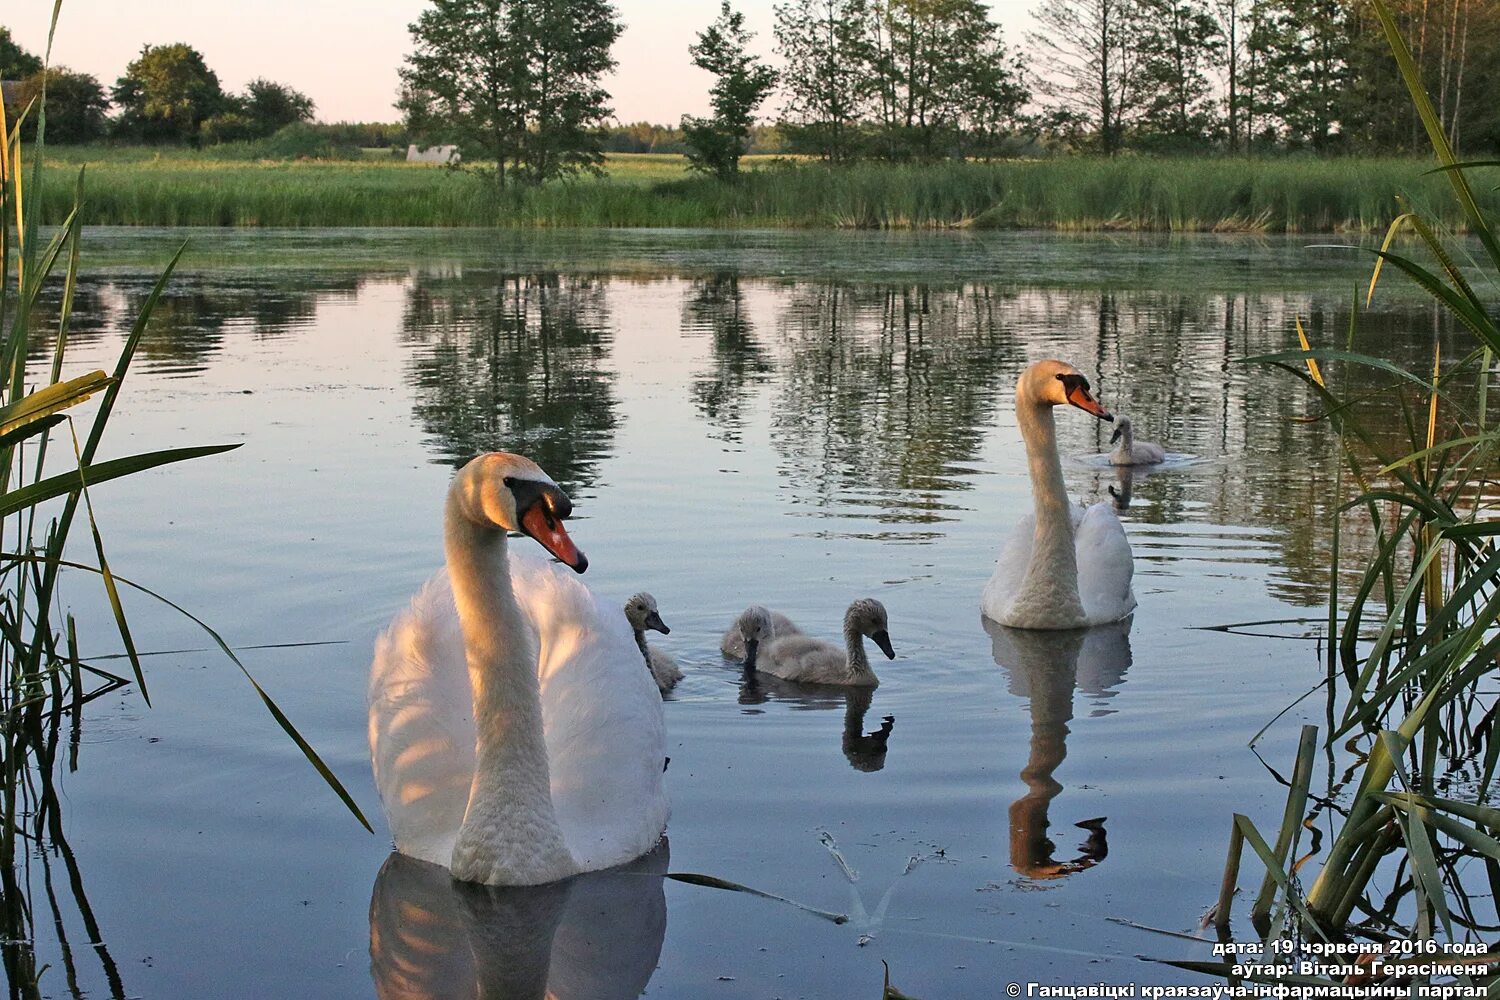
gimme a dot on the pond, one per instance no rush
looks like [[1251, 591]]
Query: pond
[[792, 419]]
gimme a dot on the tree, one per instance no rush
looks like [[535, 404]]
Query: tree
[[75, 105], [937, 64], [1305, 50], [1178, 41], [271, 106], [827, 49], [166, 94], [1090, 46], [514, 81], [15, 62], [565, 49], [716, 144]]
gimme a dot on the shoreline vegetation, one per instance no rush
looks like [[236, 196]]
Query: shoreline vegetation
[[132, 186]]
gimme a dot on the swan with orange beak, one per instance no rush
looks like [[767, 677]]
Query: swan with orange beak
[[1062, 567]]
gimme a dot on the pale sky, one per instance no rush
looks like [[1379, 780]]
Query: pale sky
[[344, 53]]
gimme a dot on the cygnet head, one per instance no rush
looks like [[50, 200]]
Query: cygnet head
[[641, 612], [1122, 430], [511, 493], [867, 617], [1057, 383], [754, 624]]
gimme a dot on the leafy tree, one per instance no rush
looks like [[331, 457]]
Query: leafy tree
[[75, 105], [565, 49], [15, 62], [514, 81], [228, 126], [1178, 41], [166, 94], [992, 94], [1090, 48], [272, 106], [716, 144], [1304, 44], [936, 63], [827, 48]]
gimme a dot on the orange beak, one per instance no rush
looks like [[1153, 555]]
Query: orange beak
[[1079, 397], [540, 523]]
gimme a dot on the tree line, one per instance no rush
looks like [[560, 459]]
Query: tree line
[[518, 83], [167, 94]]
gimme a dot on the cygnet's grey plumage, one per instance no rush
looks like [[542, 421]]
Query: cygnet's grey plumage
[[807, 660], [641, 612], [1129, 451], [777, 625]]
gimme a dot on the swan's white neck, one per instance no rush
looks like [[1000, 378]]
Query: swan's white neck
[[510, 833], [1051, 582]]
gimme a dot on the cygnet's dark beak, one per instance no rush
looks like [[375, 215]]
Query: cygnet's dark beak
[[653, 621], [1116, 435], [883, 640], [752, 646]]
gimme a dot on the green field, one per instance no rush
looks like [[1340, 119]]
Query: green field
[[136, 186]]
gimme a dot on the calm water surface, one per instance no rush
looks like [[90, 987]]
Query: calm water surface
[[793, 419]]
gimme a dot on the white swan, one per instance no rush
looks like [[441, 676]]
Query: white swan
[[801, 658], [1129, 451], [515, 738], [642, 614], [773, 625], [1062, 567]]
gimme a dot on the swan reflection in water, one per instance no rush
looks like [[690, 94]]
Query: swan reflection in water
[[592, 937], [864, 751], [1045, 668]]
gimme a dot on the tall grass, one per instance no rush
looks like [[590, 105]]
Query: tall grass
[[136, 187], [49, 468], [1421, 631]]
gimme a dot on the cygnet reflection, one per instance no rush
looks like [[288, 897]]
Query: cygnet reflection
[[1046, 668], [594, 937], [864, 751]]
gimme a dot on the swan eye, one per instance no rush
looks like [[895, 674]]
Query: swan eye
[[510, 481]]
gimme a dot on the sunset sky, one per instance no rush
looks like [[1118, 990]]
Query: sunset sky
[[344, 53]]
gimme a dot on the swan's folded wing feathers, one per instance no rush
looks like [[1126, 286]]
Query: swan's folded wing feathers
[[421, 725], [1105, 565]]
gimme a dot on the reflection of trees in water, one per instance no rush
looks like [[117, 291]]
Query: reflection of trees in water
[[193, 316], [885, 392], [716, 305], [516, 363]]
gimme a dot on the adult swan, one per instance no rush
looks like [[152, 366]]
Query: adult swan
[[515, 738], [1062, 567]]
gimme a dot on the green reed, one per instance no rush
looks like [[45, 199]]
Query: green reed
[[49, 466], [143, 187], [1410, 646]]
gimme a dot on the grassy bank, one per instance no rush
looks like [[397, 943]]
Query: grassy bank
[[133, 187]]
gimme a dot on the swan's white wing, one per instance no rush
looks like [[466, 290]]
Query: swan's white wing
[[422, 724], [1105, 565], [606, 735], [1010, 569]]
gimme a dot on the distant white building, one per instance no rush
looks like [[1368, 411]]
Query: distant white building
[[432, 154]]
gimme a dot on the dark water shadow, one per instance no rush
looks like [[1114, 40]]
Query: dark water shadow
[[864, 751], [1046, 668], [594, 937]]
